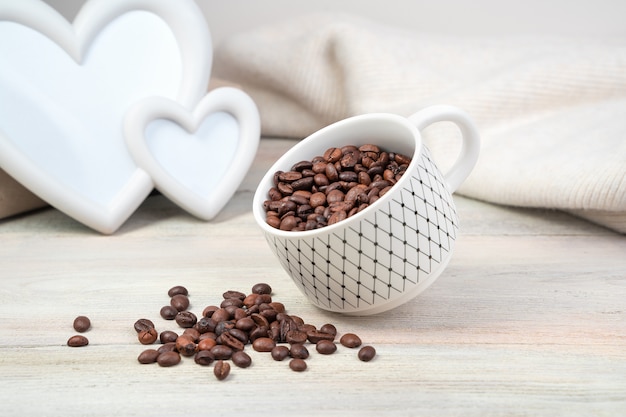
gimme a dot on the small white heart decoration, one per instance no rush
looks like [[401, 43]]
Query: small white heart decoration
[[196, 158], [65, 88]]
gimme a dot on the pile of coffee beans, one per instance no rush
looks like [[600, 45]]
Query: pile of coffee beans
[[332, 187], [222, 333]]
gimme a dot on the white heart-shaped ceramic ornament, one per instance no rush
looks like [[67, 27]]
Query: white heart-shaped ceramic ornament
[[65, 89], [196, 158]]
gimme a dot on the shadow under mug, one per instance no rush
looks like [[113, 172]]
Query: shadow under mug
[[388, 253]]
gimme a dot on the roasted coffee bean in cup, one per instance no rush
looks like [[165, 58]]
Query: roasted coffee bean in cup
[[332, 187]]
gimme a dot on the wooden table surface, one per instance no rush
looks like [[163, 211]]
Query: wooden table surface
[[529, 319]]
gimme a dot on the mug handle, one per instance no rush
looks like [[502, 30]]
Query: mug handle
[[470, 147]]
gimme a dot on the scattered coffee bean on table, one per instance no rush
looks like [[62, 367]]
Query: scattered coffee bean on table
[[297, 365], [221, 369], [180, 302], [350, 340], [241, 359], [204, 357], [143, 324], [280, 352], [224, 330], [148, 356], [82, 324], [148, 336], [332, 187], [176, 290], [366, 353], [167, 359], [326, 347], [168, 312], [77, 341]]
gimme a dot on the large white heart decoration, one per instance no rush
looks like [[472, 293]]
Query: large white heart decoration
[[197, 159], [65, 89]]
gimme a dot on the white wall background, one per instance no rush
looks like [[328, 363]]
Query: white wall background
[[476, 17]]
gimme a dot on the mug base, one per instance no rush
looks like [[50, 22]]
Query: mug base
[[393, 303]]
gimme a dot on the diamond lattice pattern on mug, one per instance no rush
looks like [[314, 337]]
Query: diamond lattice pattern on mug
[[383, 255]]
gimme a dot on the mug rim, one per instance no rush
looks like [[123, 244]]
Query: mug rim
[[289, 158]]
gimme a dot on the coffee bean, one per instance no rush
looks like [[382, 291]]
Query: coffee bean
[[261, 288], [350, 158], [168, 336], [167, 359], [192, 333], [204, 358], [186, 346], [402, 159], [167, 347], [176, 290], [366, 353], [289, 176], [230, 302], [82, 324], [274, 194], [221, 370], [260, 320], [295, 336], [246, 324], [278, 307], [298, 199], [148, 356], [168, 312], [220, 315], [263, 344], [297, 365], [280, 352], [204, 325], [180, 302], [186, 319], [288, 223], [77, 341], [259, 332], [207, 335], [209, 310], [350, 340], [228, 339], [222, 352], [147, 337], [306, 327], [241, 359], [224, 326], [325, 347], [257, 299], [143, 324], [206, 344], [302, 165], [233, 294], [298, 351], [315, 336], [302, 184]]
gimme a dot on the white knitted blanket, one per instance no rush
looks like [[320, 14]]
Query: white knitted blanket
[[551, 112]]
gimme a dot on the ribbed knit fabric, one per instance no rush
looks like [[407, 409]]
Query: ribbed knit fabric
[[551, 111]]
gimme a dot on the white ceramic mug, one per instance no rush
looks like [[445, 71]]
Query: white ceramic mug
[[388, 253]]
